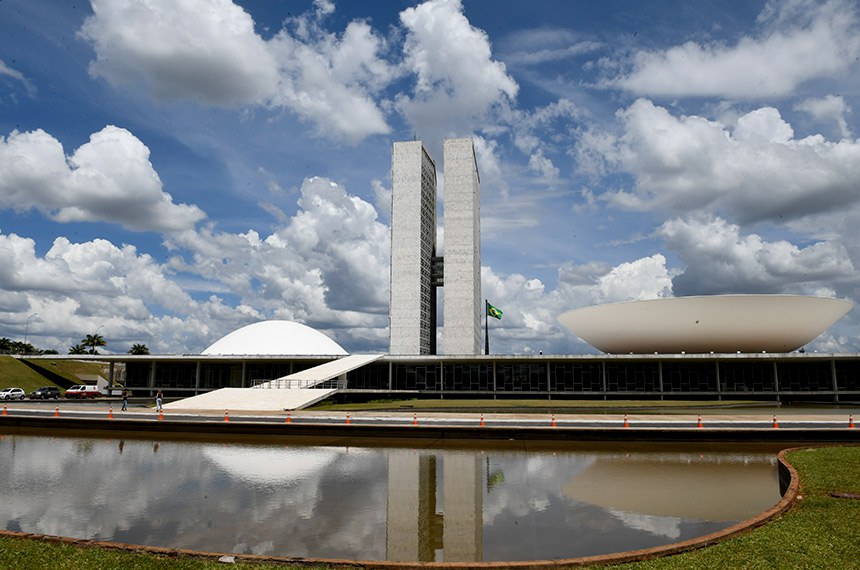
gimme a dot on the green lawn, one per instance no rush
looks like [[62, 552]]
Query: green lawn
[[68, 369], [15, 374], [819, 532]]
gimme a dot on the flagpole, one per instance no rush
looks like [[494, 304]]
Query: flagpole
[[486, 327]]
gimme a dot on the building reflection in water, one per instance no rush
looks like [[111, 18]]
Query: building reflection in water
[[415, 531]]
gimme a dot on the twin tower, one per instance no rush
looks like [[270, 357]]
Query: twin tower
[[416, 269]]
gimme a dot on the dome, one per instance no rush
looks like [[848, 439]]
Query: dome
[[714, 323], [276, 338]]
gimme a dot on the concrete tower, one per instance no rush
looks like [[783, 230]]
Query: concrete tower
[[462, 213], [412, 312]]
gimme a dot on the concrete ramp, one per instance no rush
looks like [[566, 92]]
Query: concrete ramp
[[252, 400], [320, 374], [292, 392]]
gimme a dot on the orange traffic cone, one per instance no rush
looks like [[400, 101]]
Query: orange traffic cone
[[482, 420], [415, 419], [226, 416], [699, 424], [289, 418], [160, 414], [775, 423], [110, 412], [552, 421], [626, 423], [850, 419], [57, 412], [347, 418], [5, 413]]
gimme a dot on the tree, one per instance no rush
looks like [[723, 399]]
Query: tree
[[93, 341], [5, 345], [78, 349], [19, 347], [138, 349]]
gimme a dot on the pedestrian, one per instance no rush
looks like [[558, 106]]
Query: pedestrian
[[158, 399], [125, 399]]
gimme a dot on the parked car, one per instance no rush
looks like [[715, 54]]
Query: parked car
[[12, 394], [82, 391], [45, 392]]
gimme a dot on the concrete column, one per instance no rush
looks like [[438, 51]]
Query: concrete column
[[835, 382], [412, 310], [776, 381], [463, 305]]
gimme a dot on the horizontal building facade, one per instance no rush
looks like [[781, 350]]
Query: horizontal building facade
[[767, 377]]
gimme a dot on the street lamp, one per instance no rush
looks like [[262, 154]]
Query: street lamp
[[27, 327]]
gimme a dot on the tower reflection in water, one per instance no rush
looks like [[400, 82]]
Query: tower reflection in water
[[415, 530]]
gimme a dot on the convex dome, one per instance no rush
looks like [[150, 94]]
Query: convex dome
[[276, 338]]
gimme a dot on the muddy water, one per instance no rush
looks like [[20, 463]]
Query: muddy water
[[512, 501]]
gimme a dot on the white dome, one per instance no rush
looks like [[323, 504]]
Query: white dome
[[718, 323], [276, 338]]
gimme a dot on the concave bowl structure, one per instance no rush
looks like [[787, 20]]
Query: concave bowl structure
[[714, 323]]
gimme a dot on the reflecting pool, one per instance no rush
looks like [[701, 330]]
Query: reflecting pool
[[490, 501]]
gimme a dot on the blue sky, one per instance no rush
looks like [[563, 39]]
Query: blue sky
[[170, 171]]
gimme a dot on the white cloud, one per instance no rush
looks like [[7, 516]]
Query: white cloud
[[543, 166], [331, 80], [756, 172], [76, 288], [645, 278], [208, 51], [531, 311], [328, 267], [830, 108], [108, 179], [718, 259], [799, 41], [458, 82], [191, 49], [542, 45], [7, 71]]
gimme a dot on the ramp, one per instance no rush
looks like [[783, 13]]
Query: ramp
[[319, 374], [251, 400], [292, 392]]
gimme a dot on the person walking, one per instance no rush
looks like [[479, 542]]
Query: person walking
[[159, 397], [125, 399]]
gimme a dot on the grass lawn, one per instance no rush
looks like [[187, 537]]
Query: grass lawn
[[15, 374], [68, 369], [819, 532]]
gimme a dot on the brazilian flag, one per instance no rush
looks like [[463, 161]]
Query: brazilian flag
[[494, 312]]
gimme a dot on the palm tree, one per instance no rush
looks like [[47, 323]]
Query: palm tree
[[138, 349], [19, 347], [5, 345], [93, 341], [78, 349]]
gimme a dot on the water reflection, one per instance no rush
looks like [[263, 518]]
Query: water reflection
[[377, 503]]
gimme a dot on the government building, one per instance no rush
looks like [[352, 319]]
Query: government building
[[724, 347]]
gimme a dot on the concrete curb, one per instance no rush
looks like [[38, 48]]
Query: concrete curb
[[215, 427]]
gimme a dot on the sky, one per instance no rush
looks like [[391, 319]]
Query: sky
[[171, 170]]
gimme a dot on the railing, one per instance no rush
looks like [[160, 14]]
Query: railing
[[285, 384]]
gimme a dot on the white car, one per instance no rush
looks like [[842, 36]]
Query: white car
[[11, 394]]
